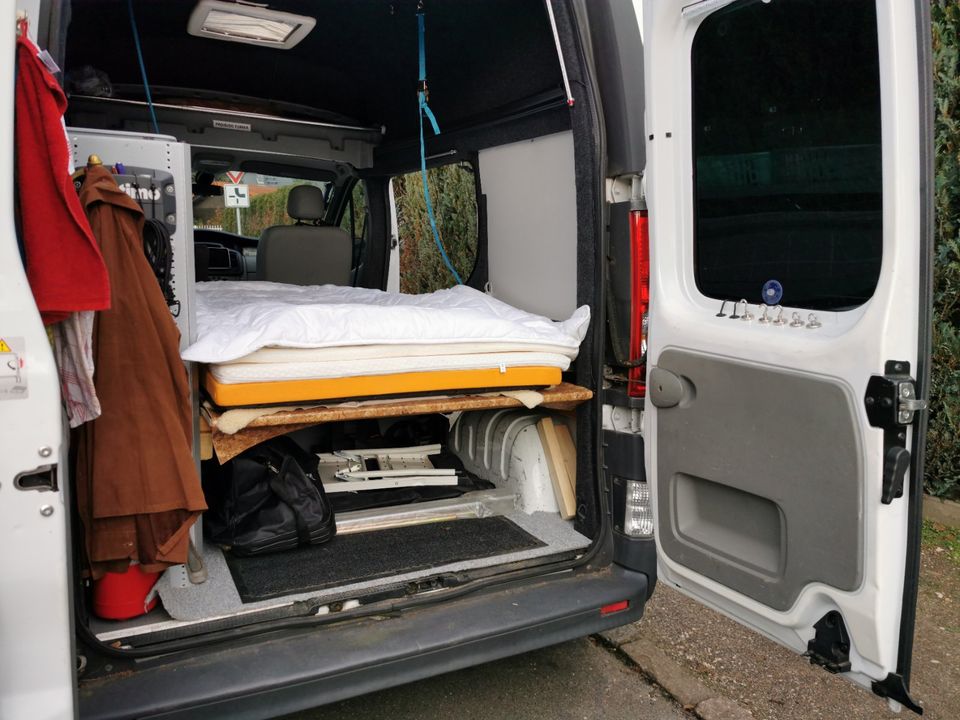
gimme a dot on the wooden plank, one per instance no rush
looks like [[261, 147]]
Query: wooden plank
[[569, 451], [564, 396], [562, 486], [206, 439]]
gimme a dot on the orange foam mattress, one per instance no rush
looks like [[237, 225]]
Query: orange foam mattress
[[365, 386]]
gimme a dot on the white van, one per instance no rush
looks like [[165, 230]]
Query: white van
[[739, 190]]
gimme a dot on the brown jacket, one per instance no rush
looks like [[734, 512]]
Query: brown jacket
[[137, 485]]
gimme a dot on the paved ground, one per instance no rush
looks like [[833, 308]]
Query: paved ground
[[705, 655], [774, 684], [579, 680]]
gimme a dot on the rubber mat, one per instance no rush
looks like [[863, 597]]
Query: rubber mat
[[365, 556]]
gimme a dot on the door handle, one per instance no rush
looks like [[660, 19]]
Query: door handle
[[895, 465], [665, 389]]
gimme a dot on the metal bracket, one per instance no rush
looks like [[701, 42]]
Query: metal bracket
[[894, 688], [892, 404], [830, 647]]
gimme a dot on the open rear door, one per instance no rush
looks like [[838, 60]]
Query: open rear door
[[788, 183], [36, 635]]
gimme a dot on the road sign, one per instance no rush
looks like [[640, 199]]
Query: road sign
[[236, 196], [234, 176]]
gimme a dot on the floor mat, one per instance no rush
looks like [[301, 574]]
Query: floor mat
[[366, 556]]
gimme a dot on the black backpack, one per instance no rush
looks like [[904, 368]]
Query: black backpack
[[268, 499]]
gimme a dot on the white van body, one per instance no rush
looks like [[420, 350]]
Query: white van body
[[782, 448]]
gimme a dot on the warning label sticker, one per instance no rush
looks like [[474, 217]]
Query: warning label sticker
[[13, 368]]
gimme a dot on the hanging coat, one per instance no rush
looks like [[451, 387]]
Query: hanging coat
[[64, 266], [137, 484]]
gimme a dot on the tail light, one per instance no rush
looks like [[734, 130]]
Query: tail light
[[640, 299]]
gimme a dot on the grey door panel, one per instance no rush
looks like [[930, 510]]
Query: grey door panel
[[761, 477]]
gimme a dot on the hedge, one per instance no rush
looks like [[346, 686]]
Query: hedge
[[943, 437]]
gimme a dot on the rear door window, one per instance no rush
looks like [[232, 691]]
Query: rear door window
[[787, 157]]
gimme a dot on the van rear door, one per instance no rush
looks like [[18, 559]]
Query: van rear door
[[789, 191], [36, 654]]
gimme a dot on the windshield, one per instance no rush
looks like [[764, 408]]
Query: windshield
[[244, 203]]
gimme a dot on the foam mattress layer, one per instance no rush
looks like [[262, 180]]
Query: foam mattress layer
[[382, 385], [363, 352], [309, 369]]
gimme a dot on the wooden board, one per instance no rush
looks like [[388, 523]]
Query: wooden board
[[564, 396], [569, 451], [562, 484]]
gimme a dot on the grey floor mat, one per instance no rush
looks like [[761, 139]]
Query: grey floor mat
[[359, 557], [218, 596]]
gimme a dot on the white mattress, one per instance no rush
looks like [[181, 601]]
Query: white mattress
[[236, 319], [244, 372], [363, 352]]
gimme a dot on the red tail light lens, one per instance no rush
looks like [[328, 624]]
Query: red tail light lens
[[615, 607], [640, 299]]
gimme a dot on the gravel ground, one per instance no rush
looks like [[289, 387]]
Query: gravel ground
[[775, 684]]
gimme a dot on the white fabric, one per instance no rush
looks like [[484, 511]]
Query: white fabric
[[362, 352], [232, 373], [235, 319], [73, 350]]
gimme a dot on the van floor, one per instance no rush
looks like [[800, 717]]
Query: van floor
[[380, 549]]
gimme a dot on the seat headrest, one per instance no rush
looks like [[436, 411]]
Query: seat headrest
[[305, 202]]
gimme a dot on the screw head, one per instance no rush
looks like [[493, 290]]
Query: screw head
[[45, 451], [46, 510]]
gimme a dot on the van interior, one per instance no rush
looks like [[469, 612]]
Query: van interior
[[185, 97]]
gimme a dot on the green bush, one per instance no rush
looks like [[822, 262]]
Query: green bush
[[453, 191], [943, 438]]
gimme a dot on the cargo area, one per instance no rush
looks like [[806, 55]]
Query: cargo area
[[371, 419], [504, 509]]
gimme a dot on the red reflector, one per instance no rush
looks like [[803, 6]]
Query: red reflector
[[615, 607], [639, 298]]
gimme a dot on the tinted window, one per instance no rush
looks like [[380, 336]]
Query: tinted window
[[786, 121]]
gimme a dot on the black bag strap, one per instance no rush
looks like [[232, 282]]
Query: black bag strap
[[294, 489]]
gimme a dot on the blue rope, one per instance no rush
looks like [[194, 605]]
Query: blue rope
[[143, 68], [424, 109]]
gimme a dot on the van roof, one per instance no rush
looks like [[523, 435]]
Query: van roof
[[358, 65]]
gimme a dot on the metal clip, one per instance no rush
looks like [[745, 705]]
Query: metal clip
[[780, 321], [908, 404], [813, 322], [796, 320], [764, 316], [747, 315]]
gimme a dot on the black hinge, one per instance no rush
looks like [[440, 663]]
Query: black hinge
[[892, 404], [830, 647], [895, 688]]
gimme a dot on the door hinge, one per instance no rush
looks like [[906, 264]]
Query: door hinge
[[892, 404], [830, 647]]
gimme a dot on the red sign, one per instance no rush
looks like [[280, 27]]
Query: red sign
[[235, 177]]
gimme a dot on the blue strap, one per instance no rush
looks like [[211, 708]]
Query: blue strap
[[424, 109], [143, 67]]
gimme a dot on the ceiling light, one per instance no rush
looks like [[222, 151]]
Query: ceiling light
[[251, 24]]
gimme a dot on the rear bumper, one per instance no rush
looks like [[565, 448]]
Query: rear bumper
[[278, 674]]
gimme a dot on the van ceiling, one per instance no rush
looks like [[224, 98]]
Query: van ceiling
[[358, 63]]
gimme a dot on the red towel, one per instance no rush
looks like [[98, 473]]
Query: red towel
[[64, 266]]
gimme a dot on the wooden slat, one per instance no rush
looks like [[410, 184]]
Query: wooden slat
[[569, 451], [562, 485], [564, 396]]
